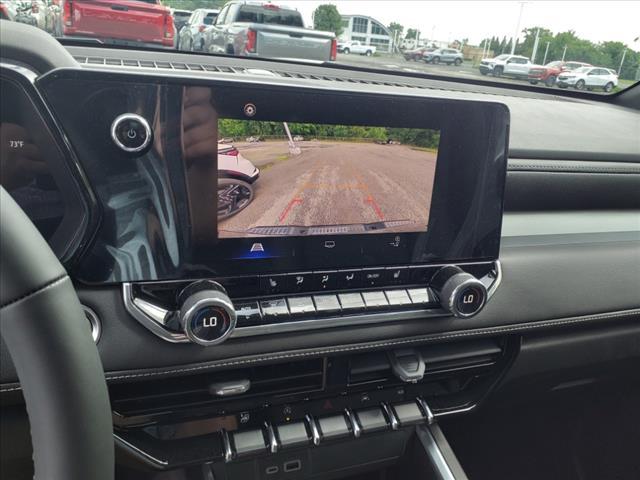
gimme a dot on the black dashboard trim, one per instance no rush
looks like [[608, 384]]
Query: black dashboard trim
[[481, 332]]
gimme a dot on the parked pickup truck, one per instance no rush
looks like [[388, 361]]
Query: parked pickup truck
[[506, 65], [356, 47], [124, 22], [267, 30]]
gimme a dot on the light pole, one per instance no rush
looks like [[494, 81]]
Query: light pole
[[535, 46], [624, 54], [515, 37], [546, 50], [564, 52]]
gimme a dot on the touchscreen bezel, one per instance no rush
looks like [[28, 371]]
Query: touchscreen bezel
[[467, 201]]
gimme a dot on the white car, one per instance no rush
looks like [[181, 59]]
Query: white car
[[236, 176], [356, 47], [590, 78], [506, 65]]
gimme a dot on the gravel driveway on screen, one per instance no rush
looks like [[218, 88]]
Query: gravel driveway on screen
[[336, 183]]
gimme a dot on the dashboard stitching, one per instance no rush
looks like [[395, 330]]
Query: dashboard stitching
[[488, 331], [36, 290], [575, 168], [384, 344]]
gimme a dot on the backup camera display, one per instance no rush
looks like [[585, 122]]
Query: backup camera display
[[294, 179]]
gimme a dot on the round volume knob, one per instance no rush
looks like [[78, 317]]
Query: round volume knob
[[206, 314], [460, 293]]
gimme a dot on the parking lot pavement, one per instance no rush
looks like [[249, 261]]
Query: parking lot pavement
[[337, 183]]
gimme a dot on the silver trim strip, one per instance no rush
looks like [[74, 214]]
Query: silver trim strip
[[357, 431], [273, 441], [27, 73], [313, 426], [393, 420], [228, 451], [434, 453], [140, 452], [427, 411], [94, 321], [150, 316]]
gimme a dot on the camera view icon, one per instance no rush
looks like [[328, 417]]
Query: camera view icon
[[257, 247]]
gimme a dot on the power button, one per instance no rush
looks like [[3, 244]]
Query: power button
[[131, 133]]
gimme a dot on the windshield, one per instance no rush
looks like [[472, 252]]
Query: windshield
[[269, 13], [440, 38], [582, 70]]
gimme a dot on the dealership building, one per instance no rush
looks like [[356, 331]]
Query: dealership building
[[366, 30]]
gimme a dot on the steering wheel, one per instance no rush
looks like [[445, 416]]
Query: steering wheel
[[62, 380]]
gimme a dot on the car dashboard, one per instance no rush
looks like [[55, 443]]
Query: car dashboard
[[508, 255]]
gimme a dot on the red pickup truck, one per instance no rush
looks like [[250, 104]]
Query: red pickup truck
[[125, 22]]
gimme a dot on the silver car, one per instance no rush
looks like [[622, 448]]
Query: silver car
[[443, 55]]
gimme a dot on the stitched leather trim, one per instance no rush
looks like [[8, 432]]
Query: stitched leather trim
[[572, 166], [113, 376], [37, 290]]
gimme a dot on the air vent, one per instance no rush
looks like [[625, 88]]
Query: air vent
[[204, 67], [443, 361], [189, 391]]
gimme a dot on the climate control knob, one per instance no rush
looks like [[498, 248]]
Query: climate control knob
[[460, 293], [206, 315]]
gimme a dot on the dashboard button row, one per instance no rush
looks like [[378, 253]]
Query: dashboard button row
[[316, 431], [252, 313], [340, 279]]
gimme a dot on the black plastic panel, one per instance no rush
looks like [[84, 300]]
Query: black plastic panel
[[37, 171]]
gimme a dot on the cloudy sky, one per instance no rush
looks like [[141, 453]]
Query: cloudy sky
[[594, 20]]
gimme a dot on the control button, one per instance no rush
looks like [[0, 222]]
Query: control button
[[325, 280], [206, 313], [301, 306], [408, 413], [299, 282], [398, 297], [396, 275], [248, 314], [459, 292], [131, 133], [333, 427], [373, 277], [326, 304], [210, 323], [270, 284], [372, 420], [274, 310], [470, 300], [349, 279], [248, 442], [421, 296], [351, 302], [292, 434], [374, 300]]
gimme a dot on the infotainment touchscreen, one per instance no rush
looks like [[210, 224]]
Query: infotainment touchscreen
[[243, 179], [302, 179]]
